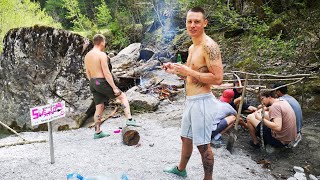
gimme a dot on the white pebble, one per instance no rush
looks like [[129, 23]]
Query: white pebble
[[298, 169], [312, 177], [300, 176], [292, 178]]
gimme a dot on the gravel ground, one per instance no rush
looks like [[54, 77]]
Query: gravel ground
[[160, 146]]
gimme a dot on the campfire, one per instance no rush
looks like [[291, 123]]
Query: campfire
[[161, 91]]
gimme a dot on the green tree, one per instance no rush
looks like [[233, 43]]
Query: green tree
[[55, 8], [103, 15], [17, 13], [80, 21]]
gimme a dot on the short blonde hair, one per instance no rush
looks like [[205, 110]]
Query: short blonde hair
[[98, 38]]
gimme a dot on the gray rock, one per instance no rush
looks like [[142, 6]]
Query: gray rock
[[312, 177], [141, 102], [126, 60], [298, 169], [168, 79], [292, 178], [40, 64], [300, 176]]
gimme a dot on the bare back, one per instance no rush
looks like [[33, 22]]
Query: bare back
[[203, 58], [93, 64]]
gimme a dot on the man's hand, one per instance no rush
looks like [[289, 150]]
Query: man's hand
[[168, 67], [258, 115], [252, 108], [116, 91], [182, 70]]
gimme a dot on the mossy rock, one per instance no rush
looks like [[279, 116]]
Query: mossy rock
[[63, 127], [277, 27], [249, 65]]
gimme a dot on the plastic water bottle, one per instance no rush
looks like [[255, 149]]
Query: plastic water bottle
[[124, 177], [74, 176]]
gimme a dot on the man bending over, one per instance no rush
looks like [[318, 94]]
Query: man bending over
[[279, 128], [102, 84]]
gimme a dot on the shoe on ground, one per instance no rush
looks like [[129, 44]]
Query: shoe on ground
[[296, 142], [256, 146], [132, 122], [100, 135], [174, 170], [217, 143]]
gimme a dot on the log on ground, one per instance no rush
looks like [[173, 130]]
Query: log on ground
[[130, 136]]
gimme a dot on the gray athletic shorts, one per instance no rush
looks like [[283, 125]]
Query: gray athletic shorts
[[198, 115]]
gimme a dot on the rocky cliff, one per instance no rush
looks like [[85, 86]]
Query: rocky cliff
[[41, 64]]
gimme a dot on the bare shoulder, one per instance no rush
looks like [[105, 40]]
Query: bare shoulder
[[211, 48], [191, 48]]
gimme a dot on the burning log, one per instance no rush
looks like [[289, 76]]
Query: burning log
[[130, 136]]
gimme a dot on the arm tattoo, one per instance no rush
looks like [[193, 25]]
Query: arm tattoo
[[212, 52], [197, 82]]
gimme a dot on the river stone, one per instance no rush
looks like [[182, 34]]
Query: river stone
[[168, 79], [298, 169], [300, 176], [312, 177], [292, 178], [126, 60], [41, 64], [141, 102]]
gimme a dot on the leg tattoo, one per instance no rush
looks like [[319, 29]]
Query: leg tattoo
[[207, 160]]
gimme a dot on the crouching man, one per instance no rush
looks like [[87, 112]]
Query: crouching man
[[279, 128], [225, 117]]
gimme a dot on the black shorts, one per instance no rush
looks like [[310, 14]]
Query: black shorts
[[101, 90], [267, 137]]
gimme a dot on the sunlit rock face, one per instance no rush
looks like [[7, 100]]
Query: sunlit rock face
[[41, 64]]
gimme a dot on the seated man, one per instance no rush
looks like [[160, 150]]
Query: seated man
[[282, 94], [279, 128], [246, 107], [225, 117]]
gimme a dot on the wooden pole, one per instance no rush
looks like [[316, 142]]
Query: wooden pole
[[22, 143], [302, 94], [262, 122], [12, 130], [272, 75], [241, 102], [232, 136]]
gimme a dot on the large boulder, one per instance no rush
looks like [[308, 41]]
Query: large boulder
[[41, 64], [124, 63], [141, 102]]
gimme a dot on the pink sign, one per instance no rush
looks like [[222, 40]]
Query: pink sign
[[47, 113]]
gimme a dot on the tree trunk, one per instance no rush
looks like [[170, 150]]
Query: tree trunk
[[130, 136]]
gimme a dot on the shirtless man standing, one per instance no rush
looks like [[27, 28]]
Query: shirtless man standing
[[102, 84], [203, 69]]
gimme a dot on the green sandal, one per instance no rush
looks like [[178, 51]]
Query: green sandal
[[175, 170], [132, 123], [100, 135]]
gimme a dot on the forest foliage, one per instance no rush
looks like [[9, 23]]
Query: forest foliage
[[249, 31], [17, 13]]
